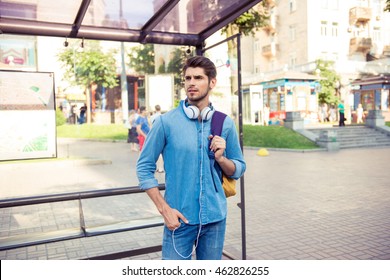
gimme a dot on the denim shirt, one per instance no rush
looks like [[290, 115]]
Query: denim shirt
[[190, 187]]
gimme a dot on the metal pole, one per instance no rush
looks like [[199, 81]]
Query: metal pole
[[240, 124], [241, 205]]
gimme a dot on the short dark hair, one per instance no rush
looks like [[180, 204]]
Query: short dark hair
[[142, 108], [203, 62]]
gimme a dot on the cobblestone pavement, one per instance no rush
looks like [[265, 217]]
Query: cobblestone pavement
[[299, 205]]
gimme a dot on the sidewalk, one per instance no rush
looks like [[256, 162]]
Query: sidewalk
[[316, 205]]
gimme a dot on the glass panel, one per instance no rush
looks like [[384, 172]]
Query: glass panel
[[124, 14], [41, 10], [193, 16]]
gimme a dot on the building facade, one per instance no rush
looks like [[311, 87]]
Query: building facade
[[351, 33]]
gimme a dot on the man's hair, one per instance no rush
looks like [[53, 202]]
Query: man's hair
[[202, 62], [142, 108], [157, 107]]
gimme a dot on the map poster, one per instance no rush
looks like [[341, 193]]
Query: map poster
[[27, 115]]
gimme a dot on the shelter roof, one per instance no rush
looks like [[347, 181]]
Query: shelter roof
[[176, 22]]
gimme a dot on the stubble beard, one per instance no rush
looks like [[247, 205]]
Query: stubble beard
[[197, 99]]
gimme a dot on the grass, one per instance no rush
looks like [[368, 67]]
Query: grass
[[275, 137], [254, 136], [93, 131]]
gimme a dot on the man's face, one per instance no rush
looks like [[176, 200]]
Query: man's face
[[197, 84]]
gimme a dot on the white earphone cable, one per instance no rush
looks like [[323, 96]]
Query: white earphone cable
[[200, 201]]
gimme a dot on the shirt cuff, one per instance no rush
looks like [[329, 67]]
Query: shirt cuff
[[148, 184]]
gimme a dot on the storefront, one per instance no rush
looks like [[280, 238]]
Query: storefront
[[373, 93], [291, 92]]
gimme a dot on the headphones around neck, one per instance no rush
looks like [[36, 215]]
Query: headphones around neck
[[192, 112]]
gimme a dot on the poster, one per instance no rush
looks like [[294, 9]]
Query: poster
[[27, 115]]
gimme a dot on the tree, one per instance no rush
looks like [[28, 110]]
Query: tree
[[88, 67], [329, 83], [175, 65], [247, 24], [142, 59]]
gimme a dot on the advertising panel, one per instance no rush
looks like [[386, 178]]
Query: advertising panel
[[27, 115]]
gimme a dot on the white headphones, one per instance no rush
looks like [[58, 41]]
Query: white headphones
[[192, 111]]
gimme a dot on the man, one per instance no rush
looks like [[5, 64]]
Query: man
[[341, 114], [194, 205], [160, 161], [143, 126]]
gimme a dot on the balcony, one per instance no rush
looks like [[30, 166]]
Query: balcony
[[270, 50], [270, 3], [359, 14], [386, 50], [360, 45], [271, 27]]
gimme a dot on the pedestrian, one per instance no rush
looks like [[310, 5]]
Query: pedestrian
[[132, 136], [194, 206], [83, 110], [160, 161], [332, 113], [341, 114], [143, 126], [266, 115], [359, 113]]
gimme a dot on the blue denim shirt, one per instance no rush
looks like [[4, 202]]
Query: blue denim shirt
[[191, 188]]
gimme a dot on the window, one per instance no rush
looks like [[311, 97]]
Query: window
[[292, 5], [330, 4], [293, 60], [256, 45], [333, 4], [376, 34], [335, 27], [323, 28], [292, 32]]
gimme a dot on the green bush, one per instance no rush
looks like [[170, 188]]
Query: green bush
[[60, 118]]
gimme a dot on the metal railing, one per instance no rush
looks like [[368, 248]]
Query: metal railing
[[37, 238]]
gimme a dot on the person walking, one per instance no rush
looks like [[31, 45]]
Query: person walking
[[359, 113], [194, 206], [132, 136], [266, 115], [143, 126], [160, 161], [341, 114]]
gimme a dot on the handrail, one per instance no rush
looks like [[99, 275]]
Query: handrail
[[83, 231], [32, 200]]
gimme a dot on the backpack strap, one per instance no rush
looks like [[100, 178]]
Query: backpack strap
[[216, 129], [217, 123]]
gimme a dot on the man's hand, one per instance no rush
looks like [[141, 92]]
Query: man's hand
[[171, 217], [218, 146]]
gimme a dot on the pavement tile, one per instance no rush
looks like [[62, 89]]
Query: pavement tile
[[315, 205]]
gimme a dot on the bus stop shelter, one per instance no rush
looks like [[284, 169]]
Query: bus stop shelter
[[172, 22]]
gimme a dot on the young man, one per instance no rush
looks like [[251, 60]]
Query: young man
[[194, 205]]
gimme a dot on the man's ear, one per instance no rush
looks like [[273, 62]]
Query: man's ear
[[212, 84]]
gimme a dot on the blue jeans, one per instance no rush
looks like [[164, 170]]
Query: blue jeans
[[179, 244]]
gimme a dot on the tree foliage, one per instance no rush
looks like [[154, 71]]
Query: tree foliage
[[142, 59], [329, 84], [84, 66], [250, 21]]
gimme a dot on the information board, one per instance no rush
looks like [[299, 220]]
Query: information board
[[27, 115]]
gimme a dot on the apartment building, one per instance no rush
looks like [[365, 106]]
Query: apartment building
[[355, 34]]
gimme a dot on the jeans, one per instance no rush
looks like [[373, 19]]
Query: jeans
[[179, 244]]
